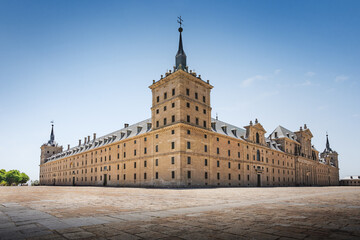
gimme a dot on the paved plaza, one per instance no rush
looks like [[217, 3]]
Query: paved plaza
[[217, 213]]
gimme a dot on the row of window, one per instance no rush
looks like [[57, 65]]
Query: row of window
[[187, 94]]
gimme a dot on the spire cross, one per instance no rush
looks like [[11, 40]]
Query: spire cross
[[180, 21]]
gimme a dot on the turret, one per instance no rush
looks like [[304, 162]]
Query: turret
[[50, 148]]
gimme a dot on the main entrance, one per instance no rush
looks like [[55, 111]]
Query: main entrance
[[105, 180], [259, 180]]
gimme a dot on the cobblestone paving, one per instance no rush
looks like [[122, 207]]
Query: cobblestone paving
[[219, 213]]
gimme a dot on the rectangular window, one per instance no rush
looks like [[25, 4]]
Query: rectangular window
[[145, 150], [188, 118], [172, 174], [204, 100], [197, 121], [124, 166], [118, 177], [156, 162], [248, 167], [124, 176], [157, 123], [157, 175], [218, 163], [204, 111], [205, 148], [189, 174], [118, 155], [196, 108], [238, 154], [217, 150], [145, 163], [134, 152], [229, 153], [172, 145], [196, 95], [188, 160], [173, 118], [124, 154], [229, 165], [229, 176], [205, 162], [239, 177], [206, 175], [218, 176], [144, 175], [173, 131], [205, 124], [187, 105], [187, 91], [156, 148], [239, 166], [172, 160], [173, 105], [164, 121], [134, 176], [188, 145], [165, 108], [173, 91], [248, 177], [134, 164], [157, 99], [165, 95]]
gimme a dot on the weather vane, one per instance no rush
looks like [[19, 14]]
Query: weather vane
[[180, 21]]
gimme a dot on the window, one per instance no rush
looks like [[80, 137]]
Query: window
[[144, 175], [157, 123], [124, 154], [257, 138], [204, 99], [229, 165], [172, 160], [173, 118], [197, 121], [145, 150], [145, 139], [206, 175], [217, 150], [124, 176], [196, 95], [188, 145], [196, 108], [188, 160], [205, 136], [145, 163], [173, 105], [204, 124], [134, 176], [165, 95], [157, 175], [172, 145], [134, 164], [238, 154], [217, 139], [239, 166], [164, 121], [248, 167], [172, 174], [173, 91], [188, 118], [173, 131], [204, 111], [189, 174], [218, 176], [134, 152], [156, 162], [206, 162], [157, 99], [118, 177], [118, 155], [164, 108], [229, 153], [188, 132], [205, 148], [258, 155], [239, 177], [218, 163], [124, 166], [229, 176], [187, 105], [156, 148], [188, 92]]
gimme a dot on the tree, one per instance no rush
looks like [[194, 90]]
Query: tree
[[2, 175], [12, 176], [24, 178]]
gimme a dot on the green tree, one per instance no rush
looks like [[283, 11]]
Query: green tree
[[12, 176], [2, 175], [24, 178]]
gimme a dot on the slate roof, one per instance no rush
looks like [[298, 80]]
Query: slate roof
[[283, 132]]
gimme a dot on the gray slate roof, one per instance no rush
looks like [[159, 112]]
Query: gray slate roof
[[283, 132]]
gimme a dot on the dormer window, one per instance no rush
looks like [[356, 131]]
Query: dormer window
[[224, 128], [257, 138], [276, 135]]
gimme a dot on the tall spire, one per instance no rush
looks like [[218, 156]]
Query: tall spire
[[180, 59], [52, 135], [327, 149]]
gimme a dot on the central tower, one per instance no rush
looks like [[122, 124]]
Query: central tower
[[181, 96]]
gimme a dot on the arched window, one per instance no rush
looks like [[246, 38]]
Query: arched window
[[258, 155], [257, 138]]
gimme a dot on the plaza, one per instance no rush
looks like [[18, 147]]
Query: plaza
[[213, 213]]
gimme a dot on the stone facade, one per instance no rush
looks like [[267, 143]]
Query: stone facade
[[181, 146]]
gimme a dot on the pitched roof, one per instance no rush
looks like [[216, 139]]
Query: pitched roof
[[282, 132]]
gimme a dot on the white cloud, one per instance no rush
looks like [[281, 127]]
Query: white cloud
[[309, 74], [341, 78], [247, 82], [277, 71], [306, 83]]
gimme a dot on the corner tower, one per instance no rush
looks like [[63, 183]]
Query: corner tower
[[330, 156], [181, 96], [50, 148]]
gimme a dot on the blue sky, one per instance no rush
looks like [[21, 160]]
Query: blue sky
[[87, 65]]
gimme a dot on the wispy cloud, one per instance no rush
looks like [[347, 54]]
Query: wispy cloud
[[341, 78], [310, 74], [277, 71], [306, 83], [247, 82]]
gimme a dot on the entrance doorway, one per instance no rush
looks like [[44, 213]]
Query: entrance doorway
[[259, 180], [105, 180], [73, 183]]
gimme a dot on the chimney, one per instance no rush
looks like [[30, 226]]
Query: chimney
[[305, 127], [126, 125], [79, 142], [84, 140], [88, 139], [68, 146], [94, 136]]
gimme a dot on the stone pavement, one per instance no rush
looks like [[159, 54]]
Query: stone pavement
[[214, 213]]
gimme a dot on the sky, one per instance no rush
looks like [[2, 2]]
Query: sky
[[87, 66]]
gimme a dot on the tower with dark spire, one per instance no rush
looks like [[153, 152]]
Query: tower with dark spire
[[50, 148], [328, 155], [180, 58]]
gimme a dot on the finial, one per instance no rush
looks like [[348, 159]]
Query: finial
[[305, 127], [180, 23], [256, 120], [251, 123], [217, 117], [180, 58]]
